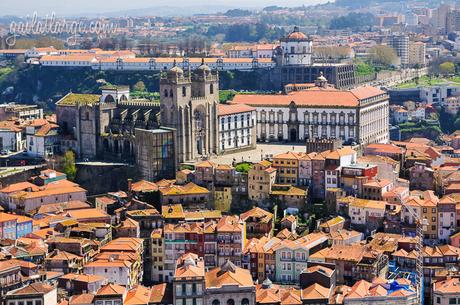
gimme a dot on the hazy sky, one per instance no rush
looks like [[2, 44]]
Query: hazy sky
[[74, 7]]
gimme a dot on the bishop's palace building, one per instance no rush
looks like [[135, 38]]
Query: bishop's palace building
[[191, 123]]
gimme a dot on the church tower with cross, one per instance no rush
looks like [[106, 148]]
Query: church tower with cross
[[188, 103]]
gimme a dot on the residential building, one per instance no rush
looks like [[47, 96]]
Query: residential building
[[20, 111], [231, 239], [292, 256], [367, 293], [42, 138], [229, 284], [61, 261], [189, 195], [261, 178], [400, 43], [389, 150], [35, 293], [353, 262], [8, 224], [417, 54], [446, 292], [259, 257], [375, 189], [288, 196], [421, 177], [27, 197], [287, 167], [446, 218], [81, 283], [11, 138], [258, 223], [189, 280], [10, 276]]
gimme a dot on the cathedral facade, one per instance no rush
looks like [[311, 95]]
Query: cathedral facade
[[189, 104]]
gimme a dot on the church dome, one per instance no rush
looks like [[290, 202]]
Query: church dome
[[296, 35], [203, 67], [176, 70]]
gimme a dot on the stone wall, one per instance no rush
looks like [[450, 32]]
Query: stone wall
[[21, 176], [99, 178]]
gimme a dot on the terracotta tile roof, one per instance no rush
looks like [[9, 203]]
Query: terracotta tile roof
[[332, 222], [289, 218], [321, 269], [228, 274], [87, 213], [229, 109], [313, 97], [7, 265], [378, 183], [21, 186], [111, 289], [54, 208], [86, 278], [172, 211], [13, 126], [447, 286], [315, 292], [230, 224], [189, 265], [47, 192], [7, 217], [62, 255], [159, 292], [81, 299], [188, 189], [259, 214], [144, 186], [366, 204], [280, 190], [359, 290], [139, 295], [288, 155], [34, 288], [286, 234], [205, 163], [384, 148], [291, 296]]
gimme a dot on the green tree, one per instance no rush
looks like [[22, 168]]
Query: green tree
[[447, 68], [457, 123], [139, 86], [69, 167], [384, 55]]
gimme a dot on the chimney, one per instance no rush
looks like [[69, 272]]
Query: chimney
[[130, 185]]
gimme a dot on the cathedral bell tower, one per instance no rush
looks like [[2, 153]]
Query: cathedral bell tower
[[189, 104]]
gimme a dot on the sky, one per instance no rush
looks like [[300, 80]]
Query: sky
[[92, 7]]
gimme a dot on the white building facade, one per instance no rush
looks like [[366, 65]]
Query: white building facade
[[360, 115], [237, 127]]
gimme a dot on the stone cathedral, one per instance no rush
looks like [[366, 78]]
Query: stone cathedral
[[189, 103]]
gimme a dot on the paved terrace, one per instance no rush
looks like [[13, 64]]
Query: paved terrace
[[260, 152]]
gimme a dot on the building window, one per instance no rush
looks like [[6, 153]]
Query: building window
[[184, 91], [166, 93], [280, 117], [211, 89]]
